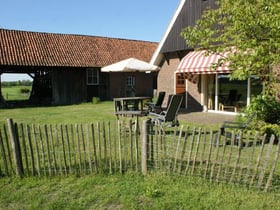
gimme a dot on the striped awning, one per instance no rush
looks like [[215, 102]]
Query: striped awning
[[197, 62]]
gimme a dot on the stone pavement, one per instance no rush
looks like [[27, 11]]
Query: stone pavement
[[205, 118]]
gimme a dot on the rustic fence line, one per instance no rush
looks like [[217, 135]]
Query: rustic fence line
[[250, 160], [246, 159], [68, 149]]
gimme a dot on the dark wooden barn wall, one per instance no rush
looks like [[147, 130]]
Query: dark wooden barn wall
[[69, 86], [192, 11]]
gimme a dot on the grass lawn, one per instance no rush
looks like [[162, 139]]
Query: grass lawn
[[82, 113], [14, 92], [126, 191]]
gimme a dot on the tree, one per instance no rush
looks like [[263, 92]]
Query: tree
[[249, 30]]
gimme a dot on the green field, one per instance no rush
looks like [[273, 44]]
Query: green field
[[14, 92], [121, 191]]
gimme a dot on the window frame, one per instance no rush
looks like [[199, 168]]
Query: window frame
[[93, 74]]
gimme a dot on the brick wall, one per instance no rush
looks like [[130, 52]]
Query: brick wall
[[166, 83]]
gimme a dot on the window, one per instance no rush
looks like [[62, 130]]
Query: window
[[180, 79], [130, 81], [92, 76]]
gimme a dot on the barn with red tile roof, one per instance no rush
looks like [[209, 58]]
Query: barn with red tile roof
[[66, 68]]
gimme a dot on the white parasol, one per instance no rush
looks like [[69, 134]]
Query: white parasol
[[130, 65]]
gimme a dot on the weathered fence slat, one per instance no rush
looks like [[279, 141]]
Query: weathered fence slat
[[2, 149], [53, 149], [183, 151], [68, 148], [109, 147], [202, 153], [8, 149], [48, 149], [270, 177], [196, 150], [215, 160], [59, 153], [246, 178], [207, 165], [237, 156], [24, 147], [78, 147], [258, 161], [119, 146], [29, 140], [144, 146], [190, 151], [16, 147], [94, 147], [89, 148], [221, 161], [177, 149], [227, 165], [265, 161]]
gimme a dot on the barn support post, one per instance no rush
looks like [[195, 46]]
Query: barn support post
[[2, 101], [15, 147]]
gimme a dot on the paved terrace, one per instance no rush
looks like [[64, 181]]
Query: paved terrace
[[205, 118]]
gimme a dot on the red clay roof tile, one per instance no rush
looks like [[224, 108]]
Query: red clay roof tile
[[49, 49]]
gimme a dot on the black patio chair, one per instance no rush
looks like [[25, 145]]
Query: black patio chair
[[240, 126], [168, 117], [236, 125], [157, 107]]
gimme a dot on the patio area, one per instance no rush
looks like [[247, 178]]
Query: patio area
[[205, 118]]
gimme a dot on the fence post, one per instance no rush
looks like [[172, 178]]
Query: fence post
[[144, 133], [15, 147]]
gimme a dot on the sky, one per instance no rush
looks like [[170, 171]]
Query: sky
[[129, 19]]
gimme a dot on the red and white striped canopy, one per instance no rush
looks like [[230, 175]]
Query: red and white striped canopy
[[196, 62]]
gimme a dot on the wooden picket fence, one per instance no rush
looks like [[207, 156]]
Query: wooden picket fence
[[246, 159]]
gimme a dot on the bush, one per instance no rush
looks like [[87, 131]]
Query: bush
[[267, 111], [24, 91], [270, 129], [266, 108], [95, 100]]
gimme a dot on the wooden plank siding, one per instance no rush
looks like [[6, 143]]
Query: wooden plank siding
[[191, 11]]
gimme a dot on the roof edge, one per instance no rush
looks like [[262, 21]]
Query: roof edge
[[156, 58], [71, 34]]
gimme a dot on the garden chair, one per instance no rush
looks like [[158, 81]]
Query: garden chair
[[168, 117], [235, 125], [157, 107]]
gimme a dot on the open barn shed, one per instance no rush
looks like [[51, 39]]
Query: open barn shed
[[66, 69]]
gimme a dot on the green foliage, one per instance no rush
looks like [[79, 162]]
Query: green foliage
[[267, 109], [16, 83], [24, 90], [249, 30], [270, 129], [95, 100]]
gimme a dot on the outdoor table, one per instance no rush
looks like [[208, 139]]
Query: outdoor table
[[131, 106]]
